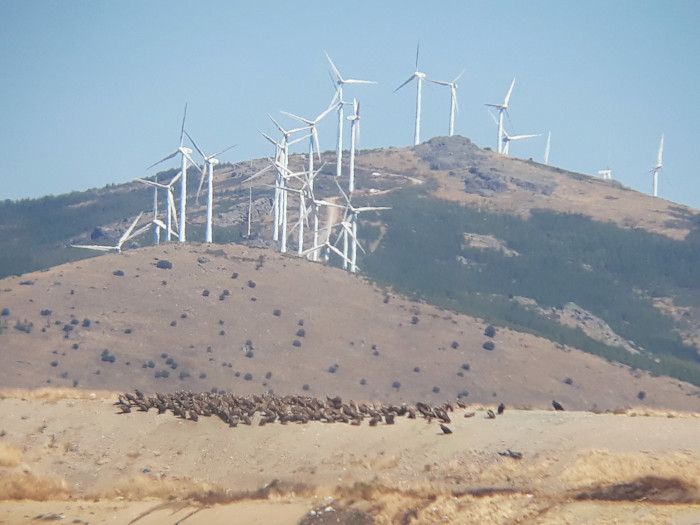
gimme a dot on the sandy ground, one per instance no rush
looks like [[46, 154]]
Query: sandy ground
[[77, 459]]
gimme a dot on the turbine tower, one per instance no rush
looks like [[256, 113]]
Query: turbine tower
[[419, 77], [340, 82], [209, 162], [502, 108], [508, 138], [171, 210], [185, 155], [354, 137], [453, 99], [658, 167]]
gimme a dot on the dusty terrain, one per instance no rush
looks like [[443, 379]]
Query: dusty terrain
[[70, 455], [295, 327]]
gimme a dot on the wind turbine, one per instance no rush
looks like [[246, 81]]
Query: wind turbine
[[185, 154], [508, 138], [349, 225], [419, 77], [354, 136], [658, 167], [209, 162], [340, 82], [453, 98], [502, 108], [127, 235], [171, 210], [280, 206]]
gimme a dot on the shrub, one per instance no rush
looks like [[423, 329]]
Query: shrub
[[54, 363], [86, 323], [249, 354], [251, 284], [333, 369], [641, 395], [184, 375], [395, 385], [225, 292], [235, 275], [222, 297], [465, 366], [202, 376], [568, 381], [363, 381], [76, 346], [44, 312], [151, 364], [173, 323], [118, 273], [164, 355], [455, 345], [416, 369], [488, 345], [460, 374], [164, 264], [248, 376], [67, 328], [301, 332], [5, 312], [490, 331], [436, 389], [277, 313], [305, 387], [222, 332], [268, 375], [414, 319], [205, 293], [296, 343], [24, 326], [169, 360], [74, 321], [463, 393], [127, 331], [183, 316]]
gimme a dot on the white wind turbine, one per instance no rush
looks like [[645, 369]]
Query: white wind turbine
[[171, 210], [354, 137], [126, 236], [209, 162], [419, 77], [502, 108], [340, 82], [507, 139], [453, 99], [349, 229], [658, 167], [185, 155], [280, 202]]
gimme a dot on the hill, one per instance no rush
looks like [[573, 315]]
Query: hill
[[233, 318], [583, 262]]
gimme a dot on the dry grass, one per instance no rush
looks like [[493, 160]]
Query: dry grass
[[9, 456], [26, 486]]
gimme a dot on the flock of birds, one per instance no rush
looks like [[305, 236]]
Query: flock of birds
[[270, 408]]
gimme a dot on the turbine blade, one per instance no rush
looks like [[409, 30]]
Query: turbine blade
[[510, 90], [406, 82], [126, 234], [335, 69], [182, 128], [222, 151], [168, 157], [195, 145]]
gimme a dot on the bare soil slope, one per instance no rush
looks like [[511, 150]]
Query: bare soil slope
[[248, 321]]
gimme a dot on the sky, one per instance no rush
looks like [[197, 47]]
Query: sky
[[92, 92]]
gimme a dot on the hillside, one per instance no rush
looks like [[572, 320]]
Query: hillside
[[246, 320], [583, 262]]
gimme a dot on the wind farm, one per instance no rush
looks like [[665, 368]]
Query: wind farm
[[453, 316]]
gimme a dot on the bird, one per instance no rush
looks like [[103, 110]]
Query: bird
[[490, 414], [501, 409], [445, 429], [557, 406]]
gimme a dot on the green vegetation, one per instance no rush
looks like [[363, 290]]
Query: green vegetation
[[612, 272]]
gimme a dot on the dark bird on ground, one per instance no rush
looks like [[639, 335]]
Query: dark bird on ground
[[490, 414], [557, 406], [445, 429], [501, 409]]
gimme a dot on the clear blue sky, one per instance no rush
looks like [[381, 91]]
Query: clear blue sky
[[92, 92]]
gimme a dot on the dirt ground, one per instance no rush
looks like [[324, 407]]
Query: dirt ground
[[69, 455]]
